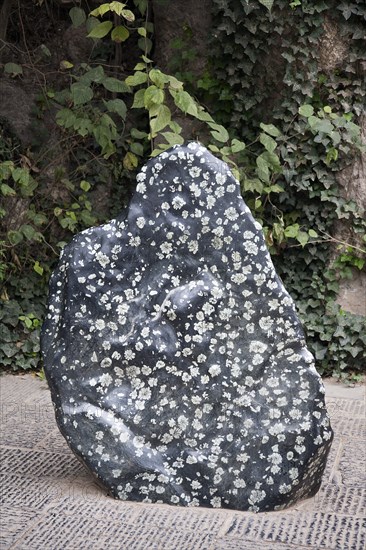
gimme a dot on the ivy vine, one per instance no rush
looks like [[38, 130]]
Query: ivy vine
[[274, 68]]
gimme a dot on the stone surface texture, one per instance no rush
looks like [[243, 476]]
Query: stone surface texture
[[175, 358], [49, 501]]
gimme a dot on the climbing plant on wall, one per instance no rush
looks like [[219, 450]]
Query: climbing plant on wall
[[280, 67]]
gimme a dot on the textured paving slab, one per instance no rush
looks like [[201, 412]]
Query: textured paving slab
[[50, 502]]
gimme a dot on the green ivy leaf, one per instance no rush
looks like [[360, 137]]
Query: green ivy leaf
[[162, 119], [332, 154], [158, 78], [267, 3], [117, 106], [114, 85], [174, 83], [26, 182], [21, 176], [120, 34], [38, 268], [173, 138], [219, 132], [28, 231], [117, 7], [268, 142], [274, 189], [237, 146], [175, 127], [77, 16], [104, 8], [262, 169], [140, 67], [136, 79], [142, 5], [128, 15], [270, 129], [6, 169], [83, 126], [303, 238], [15, 237], [85, 186], [306, 110], [13, 69], [184, 101], [145, 44], [153, 96], [278, 231], [6, 190], [91, 23], [137, 149], [39, 219], [87, 218], [325, 126], [335, 137], [253, 185], [65, 118], [292, 231], [80, 93], [66, 65], [313, 121], [9, 350], [203, 115], [138, 100], [101, 30], [161, 147], [137, 134], [130, 161]]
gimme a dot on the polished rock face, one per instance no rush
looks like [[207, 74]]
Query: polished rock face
[[177, 364]]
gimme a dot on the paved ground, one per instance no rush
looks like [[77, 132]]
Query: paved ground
[[49, 502]]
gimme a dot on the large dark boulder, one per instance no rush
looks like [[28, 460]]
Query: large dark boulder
[[177, 364]]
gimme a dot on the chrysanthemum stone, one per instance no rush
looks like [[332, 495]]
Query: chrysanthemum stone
[[176, 361]]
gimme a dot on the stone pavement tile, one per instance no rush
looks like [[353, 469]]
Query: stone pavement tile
[[34, 464], [332, 457], [12, 523], [183, 519], [346, 462], [349, 463], [27, 419], [319, 530], [353, 428], [337, 390], [53, 442], [24, 389], [142, 515], [78, 531], [346, 407], [51, 502], [31, 493], [95, 505], [22, 411], [240, 544], [25, 433], [336, 499]]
